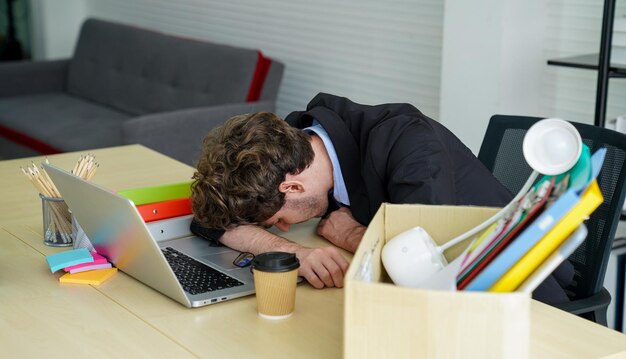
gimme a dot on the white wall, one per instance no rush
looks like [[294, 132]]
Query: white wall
[[492, 62], [55, 26]]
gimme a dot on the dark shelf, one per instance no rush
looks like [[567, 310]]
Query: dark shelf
[[589, 62]]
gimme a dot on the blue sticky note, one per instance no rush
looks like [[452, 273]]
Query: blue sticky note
[[68, 258]]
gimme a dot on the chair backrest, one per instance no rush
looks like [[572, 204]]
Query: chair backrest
[[501, 153]]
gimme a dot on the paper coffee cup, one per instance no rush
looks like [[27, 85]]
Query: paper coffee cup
[[275, 279]]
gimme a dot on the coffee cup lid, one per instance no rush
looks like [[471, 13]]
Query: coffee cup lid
[[275, 262]]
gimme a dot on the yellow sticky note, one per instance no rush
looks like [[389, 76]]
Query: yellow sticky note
[[95, 277]]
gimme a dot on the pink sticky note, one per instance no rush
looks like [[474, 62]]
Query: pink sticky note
[[97, 259], [90, 267]]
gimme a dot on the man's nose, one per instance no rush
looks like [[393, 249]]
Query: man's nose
[[284, 227]]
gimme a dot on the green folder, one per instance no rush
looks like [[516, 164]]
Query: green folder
[[159, 193]]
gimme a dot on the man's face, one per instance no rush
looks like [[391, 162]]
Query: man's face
[[297, 210]]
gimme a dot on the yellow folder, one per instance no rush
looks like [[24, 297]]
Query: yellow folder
[[514, 277]]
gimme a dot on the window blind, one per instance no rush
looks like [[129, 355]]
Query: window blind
[[370, 51]]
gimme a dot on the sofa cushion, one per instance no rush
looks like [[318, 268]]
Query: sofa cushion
[[142, 71], [61, 121]]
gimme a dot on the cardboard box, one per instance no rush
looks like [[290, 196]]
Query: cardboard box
[[386, 321]]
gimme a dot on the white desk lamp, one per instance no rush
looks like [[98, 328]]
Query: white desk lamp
[[551, 146]]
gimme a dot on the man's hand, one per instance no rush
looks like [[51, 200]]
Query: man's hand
[[341, 229], [322, 267]]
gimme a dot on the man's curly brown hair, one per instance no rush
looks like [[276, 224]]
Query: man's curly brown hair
[[242, 165]]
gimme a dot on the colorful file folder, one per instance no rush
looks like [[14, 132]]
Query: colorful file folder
[[166, 209], [524, 242], [554, 260], [520, 259], [514, 277], [160, 193]]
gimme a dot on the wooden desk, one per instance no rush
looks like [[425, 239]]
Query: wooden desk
[[42, 318], [222, 330], [134, 319]]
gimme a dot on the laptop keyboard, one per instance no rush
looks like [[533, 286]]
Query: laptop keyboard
[[197, 277]]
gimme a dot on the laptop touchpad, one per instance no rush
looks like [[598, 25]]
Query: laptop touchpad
[[222, 260]]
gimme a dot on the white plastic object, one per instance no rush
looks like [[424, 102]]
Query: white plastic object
[[411, 257]]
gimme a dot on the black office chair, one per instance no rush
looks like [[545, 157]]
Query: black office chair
[[501, 153]]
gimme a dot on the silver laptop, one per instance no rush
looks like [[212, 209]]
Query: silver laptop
[[117, 231]]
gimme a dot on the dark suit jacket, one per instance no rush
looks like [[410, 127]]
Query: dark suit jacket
[[394, 153]]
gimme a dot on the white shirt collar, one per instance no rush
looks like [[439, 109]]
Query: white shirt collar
[[340, 192]]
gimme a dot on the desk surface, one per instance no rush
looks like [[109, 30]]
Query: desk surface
[[123, 317]]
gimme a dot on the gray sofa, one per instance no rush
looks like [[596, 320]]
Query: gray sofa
[[127, 85]]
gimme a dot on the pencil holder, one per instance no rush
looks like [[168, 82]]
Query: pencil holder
[[57, 222]]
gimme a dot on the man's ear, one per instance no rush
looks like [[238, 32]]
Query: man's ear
[[291, 187]]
